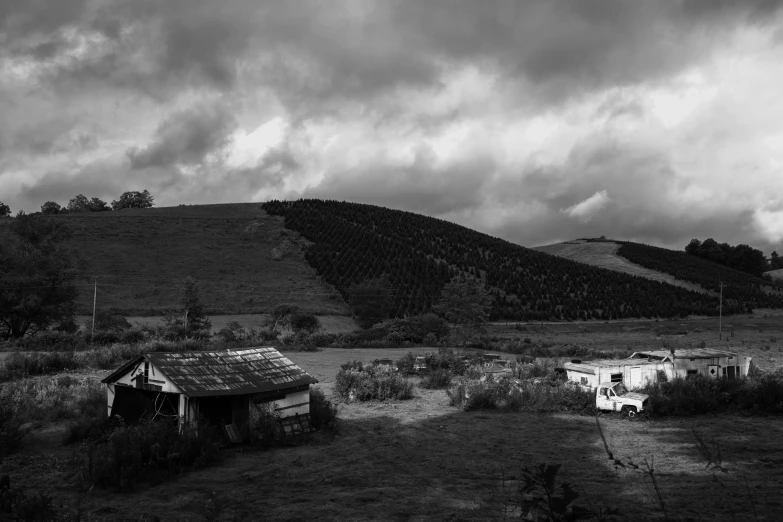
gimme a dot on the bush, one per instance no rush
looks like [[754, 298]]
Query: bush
[[148, 451], [323, 339], [104, 337], [19, 365], [437, 379], [512, 395], [445, 359], [699, 395], [132, 336], [52, 341], [264, 426], [108, 322], [16, 504], [371, 382], [11, 431], [323, 414]]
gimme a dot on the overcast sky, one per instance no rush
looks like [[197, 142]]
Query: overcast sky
[[536, 121]]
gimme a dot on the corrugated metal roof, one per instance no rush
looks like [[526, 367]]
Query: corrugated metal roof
[[229, 372], [591, 366], [689, 353]]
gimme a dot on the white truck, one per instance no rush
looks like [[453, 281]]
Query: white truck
[[613, 396]]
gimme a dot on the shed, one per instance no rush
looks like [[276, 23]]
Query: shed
[[633, 373], [699, 361], [218, 386]]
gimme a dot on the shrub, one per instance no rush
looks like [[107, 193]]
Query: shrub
[[323, 339], [371, 382], [305, 323], [264, 425], [323, 414], [19, 365], [52, 341], [699, 395], [437, 379], [11, 430], [132, 336], [108, 322], [444, 359], [17, 504], [104, 337], [143, 452], [512, 395]]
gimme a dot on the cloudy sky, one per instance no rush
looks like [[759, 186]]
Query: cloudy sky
[[536, 121]]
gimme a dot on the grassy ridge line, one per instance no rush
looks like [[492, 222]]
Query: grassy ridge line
[[245, 261]]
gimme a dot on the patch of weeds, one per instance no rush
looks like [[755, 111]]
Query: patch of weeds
[[356, 381]]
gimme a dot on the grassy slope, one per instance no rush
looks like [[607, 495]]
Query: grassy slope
[[776, 274], [140, 256], [604, 255]]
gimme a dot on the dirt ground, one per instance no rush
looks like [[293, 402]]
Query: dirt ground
[[423, 459]]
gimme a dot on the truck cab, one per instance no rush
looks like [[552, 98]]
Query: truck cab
[[614, 396]]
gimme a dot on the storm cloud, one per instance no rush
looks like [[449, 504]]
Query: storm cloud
[[535, 121]]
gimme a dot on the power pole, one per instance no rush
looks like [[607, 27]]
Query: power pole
[[94, 302], [720, 313]]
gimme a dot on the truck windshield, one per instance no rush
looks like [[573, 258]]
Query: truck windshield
[[620, 390]]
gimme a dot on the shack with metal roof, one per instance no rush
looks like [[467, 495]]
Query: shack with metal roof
[[220, 387], [708, 362], [654, 365], [633, 373]]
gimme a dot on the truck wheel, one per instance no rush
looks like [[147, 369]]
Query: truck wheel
[[630, 410]]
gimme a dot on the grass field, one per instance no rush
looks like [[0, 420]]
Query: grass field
[[425, 460], [244, 260], [604, 255]]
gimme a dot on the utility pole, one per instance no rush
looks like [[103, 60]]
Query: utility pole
[[94, 302], [720, 313]]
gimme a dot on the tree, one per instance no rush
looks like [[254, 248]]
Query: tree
[[133, 199], [280, 318], [5, 210], [78, 204], [189, 316], [97, 205], [775, 261], [305, 323], [465, 302], [371, 301], [106, 321], [37, 271], [50, 208]]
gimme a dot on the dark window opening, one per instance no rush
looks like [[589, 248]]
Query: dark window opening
[[617, 377], [692, 373], [146, 372]]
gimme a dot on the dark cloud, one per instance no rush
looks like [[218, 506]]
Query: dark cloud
[[186, 137]]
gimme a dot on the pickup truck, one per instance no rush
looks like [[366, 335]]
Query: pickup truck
[[613, 396]]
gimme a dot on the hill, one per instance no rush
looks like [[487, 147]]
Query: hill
[[739, 287], [776, 274], [244, 260], [353, 242], [604, 254]]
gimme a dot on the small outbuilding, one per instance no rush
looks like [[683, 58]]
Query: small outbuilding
[[633, 373], [654, 365], [708, 362], [220, 386]]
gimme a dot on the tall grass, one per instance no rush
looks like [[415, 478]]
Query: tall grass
[[507, 394], [682, 397], [356, 381]]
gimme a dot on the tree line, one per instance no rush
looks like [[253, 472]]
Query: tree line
[[81, 203], [417, 256], [740, 257]]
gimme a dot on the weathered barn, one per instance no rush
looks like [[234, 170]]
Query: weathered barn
[[699, 361], [219, 387], [650, 366]]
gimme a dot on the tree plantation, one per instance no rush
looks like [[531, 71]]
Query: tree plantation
[[353, 242]]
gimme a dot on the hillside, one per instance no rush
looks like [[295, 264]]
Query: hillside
[[740, 287], [352, 242], [776, 274], [603, 254], [244, 260]]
